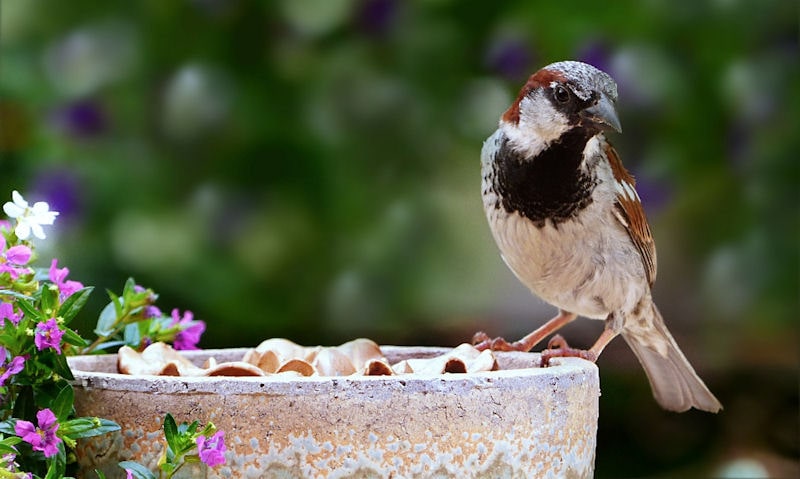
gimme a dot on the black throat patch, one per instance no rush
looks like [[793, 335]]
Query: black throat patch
[[549, 186]]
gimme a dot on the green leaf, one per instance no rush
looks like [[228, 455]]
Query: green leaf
[[24, 406], [62, 404], [107, 345], [132, 336], [30, 310], [74, 304], [7, 427], [107, 320], [100, 474], [71, 337], [15, 294], [87, 427], [10, 442], [49, 300], [138, 470], [171, 432], [57, 464], [61, 367]]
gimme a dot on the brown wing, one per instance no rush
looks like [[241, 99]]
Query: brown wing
[[630, 213]]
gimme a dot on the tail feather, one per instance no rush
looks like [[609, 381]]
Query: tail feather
[[674, 382]]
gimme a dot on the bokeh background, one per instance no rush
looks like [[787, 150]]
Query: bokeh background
[[310, 169]]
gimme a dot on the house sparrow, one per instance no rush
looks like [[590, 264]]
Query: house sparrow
[[569, 223]]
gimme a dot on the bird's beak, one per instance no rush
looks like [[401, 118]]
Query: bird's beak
[[604, 114]]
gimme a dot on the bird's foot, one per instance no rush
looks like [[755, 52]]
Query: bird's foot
[[557, 347], [482, 342]]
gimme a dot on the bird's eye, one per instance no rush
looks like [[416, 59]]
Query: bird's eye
[[561, 94]]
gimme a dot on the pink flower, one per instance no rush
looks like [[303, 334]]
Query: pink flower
[[128, 474], [48, 335], [7, 312], [190, 330], [59, 277], [11, 368], [13, 260], [42, 438], [212, 450]]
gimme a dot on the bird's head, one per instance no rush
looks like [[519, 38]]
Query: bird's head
[[558, 98]]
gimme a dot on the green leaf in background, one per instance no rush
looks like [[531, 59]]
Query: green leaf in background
[[108, 317], [132, 336]]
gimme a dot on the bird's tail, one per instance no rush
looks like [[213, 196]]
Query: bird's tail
[[674, 382]]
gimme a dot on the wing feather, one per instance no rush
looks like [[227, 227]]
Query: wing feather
[[631, 215]]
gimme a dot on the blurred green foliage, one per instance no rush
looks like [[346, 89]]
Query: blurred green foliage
[[309, 169]]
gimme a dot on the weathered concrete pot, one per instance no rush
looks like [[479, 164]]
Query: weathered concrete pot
[[522, 421]]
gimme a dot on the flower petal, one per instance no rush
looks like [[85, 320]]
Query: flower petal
[[13, 210], [23, 230], [18, 199], [38, 231], [19, 254]]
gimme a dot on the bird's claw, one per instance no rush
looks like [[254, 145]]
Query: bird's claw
[[557, 347], [482, 341]]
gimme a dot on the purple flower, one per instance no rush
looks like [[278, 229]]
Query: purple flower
[[59, 277], [596, 53], [377, 17], [42, 438], [48, 335], [11, 368], [62, 188], [82, 119], [7, 312], [128, 474], [14, 259], [212, 450], [190, 331], [510, 56]]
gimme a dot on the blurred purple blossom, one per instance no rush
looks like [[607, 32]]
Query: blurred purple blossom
[[82, 119], [61, 189], [597, 54], [376, 17], [654, 193], [510, 57]]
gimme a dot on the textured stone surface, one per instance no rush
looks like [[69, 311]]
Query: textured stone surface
[[522, 421]]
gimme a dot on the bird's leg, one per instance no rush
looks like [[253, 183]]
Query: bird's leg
[[558, 348], [482, 341]]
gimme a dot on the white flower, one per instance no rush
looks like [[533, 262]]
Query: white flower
[[29, 218]]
